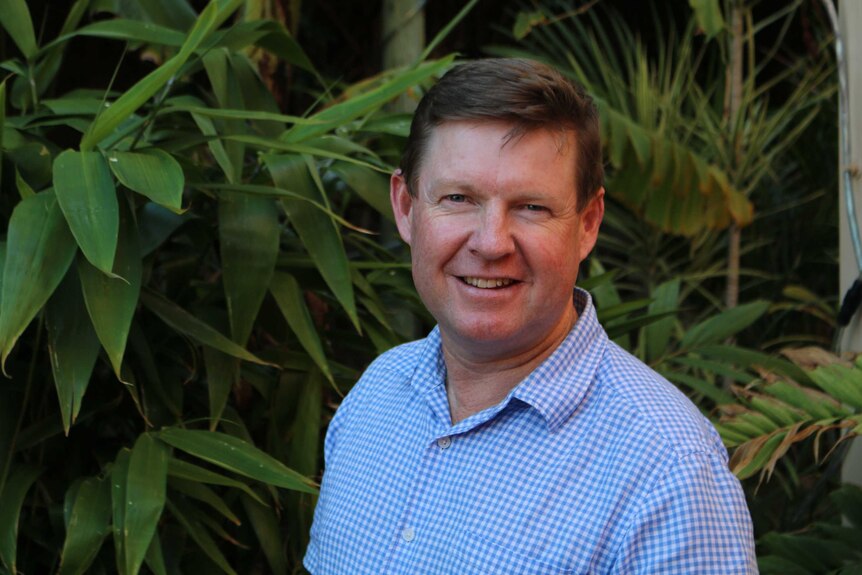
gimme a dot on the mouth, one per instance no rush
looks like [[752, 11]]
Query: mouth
[[487, 283]]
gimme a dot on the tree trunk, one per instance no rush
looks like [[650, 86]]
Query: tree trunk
[[403, 40], [733, 101]]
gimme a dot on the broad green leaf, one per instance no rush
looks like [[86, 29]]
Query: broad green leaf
[[708, 14], [371, 186], [39, 250], [266, 526], [72, 345], [657, 334], [236, 455], [111, 301], [24, 189], [192, 472], [185, 323], [137, 95], [248, 236], [288, 295], [222, 376], [318, 233], [145, 498], [352, 108], [155, 225], [153, 173], [89, 523], [203, 493], [200, 535], [155, 558], [88, 198], [726, 324], [12, 496], [15, 18]]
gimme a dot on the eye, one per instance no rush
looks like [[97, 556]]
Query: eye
[[457, 198], [535, 208]]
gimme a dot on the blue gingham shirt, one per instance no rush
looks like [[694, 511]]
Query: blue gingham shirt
[[592, 464]]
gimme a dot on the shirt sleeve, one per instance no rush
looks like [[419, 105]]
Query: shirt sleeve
[[695, 520]]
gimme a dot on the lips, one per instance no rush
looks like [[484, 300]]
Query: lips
[[487, 283]]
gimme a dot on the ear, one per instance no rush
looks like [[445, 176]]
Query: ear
[[591, 219], [402, 205]]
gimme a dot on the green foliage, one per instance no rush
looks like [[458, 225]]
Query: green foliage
[[176, 266]]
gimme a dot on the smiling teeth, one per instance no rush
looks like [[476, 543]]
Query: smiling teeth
[[487, 283]]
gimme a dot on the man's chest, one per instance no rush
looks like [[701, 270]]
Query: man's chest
[[402, 496]]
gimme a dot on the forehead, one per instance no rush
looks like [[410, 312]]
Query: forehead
[[498, 151]]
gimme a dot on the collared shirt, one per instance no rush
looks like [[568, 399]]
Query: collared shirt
[[592, 464]]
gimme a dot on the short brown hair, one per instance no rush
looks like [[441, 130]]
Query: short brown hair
[[525, 93]]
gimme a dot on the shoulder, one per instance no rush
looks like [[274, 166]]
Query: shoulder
[[653, 406]]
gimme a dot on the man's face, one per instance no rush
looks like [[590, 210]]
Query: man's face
[[495, 235]]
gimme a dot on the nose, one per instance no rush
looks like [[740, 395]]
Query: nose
[[492, 237]]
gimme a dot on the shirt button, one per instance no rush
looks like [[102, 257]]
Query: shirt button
[[444, 442], [408, 534]]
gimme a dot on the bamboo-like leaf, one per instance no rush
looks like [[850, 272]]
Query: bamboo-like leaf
[[111, 301], [137, 95], [89, 523], [356, 106], [842, 383], [222, 376], [72, 344], [747, 357], [15, 18], [86, 194], [203, 493], [657, 334], [238, 456], [817, 404], [248, 235], [317, 232], [288, 295], [266, 526], [153, 173], [185, 470], [709, 18], [719, 327], [12, 496], [305, 432], [155, 559], [371, 186], [200, 535], [185, 323], [145, 498], [39, 250], [228, 93], [119, 503], [128, 31]]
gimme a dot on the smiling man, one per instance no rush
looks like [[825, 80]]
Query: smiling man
[[516, 437]]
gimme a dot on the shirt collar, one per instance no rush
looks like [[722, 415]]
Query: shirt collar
[[554, 388], [558, 385]]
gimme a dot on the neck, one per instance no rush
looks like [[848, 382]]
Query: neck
[[477, 381]]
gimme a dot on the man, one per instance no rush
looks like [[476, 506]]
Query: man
[[516, 438]]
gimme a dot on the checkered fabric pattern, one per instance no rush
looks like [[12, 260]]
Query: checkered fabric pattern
[[592, 464]]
